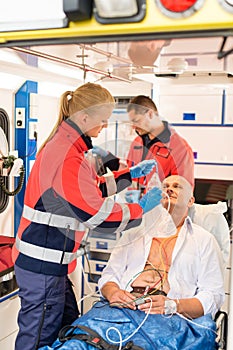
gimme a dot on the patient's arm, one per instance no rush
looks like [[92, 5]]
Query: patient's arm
[[190, 307], [116, 296]]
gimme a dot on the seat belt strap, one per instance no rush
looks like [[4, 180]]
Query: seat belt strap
[[92, 338]]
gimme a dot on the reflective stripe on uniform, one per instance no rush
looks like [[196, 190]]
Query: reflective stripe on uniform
[[50, 219], [125, 217], [46, 254], [104, 211], [110, 184]]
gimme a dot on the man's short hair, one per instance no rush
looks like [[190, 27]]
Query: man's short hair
[[141, 104]]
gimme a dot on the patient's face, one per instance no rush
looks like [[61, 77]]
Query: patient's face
[[179, 192]]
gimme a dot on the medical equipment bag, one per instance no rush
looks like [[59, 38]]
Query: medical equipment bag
[[7, 276]]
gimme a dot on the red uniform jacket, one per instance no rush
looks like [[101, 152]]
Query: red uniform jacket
[[172, 153], [62, 192]]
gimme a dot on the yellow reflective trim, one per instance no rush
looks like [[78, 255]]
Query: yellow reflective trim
[[211, 16]]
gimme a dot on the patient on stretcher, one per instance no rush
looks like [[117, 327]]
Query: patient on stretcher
[[161, 288], [179, 270]]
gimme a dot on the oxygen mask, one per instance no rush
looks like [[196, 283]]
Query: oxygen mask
[[160, 220]]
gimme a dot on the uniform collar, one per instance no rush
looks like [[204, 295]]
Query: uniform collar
[[163, 137], [72, 127]]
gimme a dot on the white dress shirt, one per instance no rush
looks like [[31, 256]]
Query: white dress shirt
[[196, 268]]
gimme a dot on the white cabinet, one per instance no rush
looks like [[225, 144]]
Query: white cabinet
[[228, 118], [210, 144], [191, 108], [8, 320], [101, 246], [204, 117], [212, 147]]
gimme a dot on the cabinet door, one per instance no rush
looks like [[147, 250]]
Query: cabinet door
[[228, 118], [8, 317], [212, 147], [191, 109]]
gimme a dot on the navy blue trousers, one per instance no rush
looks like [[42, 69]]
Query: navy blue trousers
[[47, 304]]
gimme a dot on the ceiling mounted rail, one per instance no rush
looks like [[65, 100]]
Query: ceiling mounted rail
[[86, 68], [105, 53]]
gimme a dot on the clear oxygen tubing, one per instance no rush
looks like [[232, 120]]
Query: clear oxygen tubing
[[190, 320], [164, 225], [157, 222], [155, 182]]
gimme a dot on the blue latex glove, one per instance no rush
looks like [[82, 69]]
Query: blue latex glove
[[143, 168], [99, 151], [151, 199], [132, 196]]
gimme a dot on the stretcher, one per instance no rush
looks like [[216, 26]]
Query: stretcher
[[129, 329]]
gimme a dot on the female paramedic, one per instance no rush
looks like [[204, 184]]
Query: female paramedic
[[64, 193]]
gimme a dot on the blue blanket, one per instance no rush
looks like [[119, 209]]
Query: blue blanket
[[157, 332]]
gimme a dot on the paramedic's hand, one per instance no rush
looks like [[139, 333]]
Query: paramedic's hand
[[143, 168], [132, 196], [122, 298], [151, 199], [99, 151]]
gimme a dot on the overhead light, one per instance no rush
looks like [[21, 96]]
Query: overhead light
[[177, 65], [119, 11], [227, 5], [179, 9]]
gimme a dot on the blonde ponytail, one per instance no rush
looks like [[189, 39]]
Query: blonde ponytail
[[84, 97]]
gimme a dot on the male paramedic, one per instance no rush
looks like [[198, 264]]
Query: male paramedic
[[155, 139], [179, 268]]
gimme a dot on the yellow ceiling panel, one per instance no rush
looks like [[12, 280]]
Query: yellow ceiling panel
[[209, 19]]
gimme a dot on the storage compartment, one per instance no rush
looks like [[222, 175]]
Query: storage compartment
[[94, 266], [105, 244], [7, 276], [93, 277], [98, 255], [228, 117], [192, 109], [95, 234], [8, 316], [209, 144]]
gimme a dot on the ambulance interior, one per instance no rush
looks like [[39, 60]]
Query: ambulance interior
[[191, 82]]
